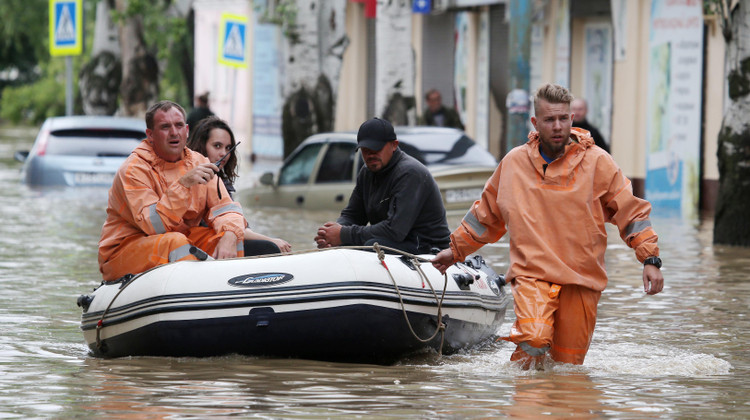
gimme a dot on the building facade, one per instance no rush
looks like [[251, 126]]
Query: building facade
[[652, 72]]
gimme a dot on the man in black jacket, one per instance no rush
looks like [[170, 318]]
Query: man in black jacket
[[395, 203], [438, 114], [200, 111], [579, 108]]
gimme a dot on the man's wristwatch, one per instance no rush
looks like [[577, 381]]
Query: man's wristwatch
[[655, 261]]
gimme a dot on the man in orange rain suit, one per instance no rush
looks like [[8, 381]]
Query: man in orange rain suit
[[158, 198], [553, 195]]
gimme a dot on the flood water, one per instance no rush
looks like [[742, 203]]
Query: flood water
[[680, 354]]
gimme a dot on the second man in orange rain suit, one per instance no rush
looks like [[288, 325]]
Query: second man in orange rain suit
[[159, 197], [553, 196]]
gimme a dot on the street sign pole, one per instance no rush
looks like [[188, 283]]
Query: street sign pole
[[68, 85], [66, 39], [233, 49]]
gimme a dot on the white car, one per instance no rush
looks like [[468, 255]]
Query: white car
[[321, 172], [80, 150]]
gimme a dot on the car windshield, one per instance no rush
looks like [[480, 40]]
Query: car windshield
[[445, 149], [93, 142], [299, 167]]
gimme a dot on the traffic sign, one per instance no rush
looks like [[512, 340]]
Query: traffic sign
[[65, 27], [422, 6], [233, 40]]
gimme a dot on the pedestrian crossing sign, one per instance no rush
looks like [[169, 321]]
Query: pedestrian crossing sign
[[65, 27], [422, 6], [233, 40]]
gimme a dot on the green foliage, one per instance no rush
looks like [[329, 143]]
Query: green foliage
[[159, 30], [33, 102], [172, 86], [39, 89], [23, 35], [720, 10], [714, 7], [168, 38]]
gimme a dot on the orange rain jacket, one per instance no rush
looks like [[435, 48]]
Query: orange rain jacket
[[147, 198], [556, 218]]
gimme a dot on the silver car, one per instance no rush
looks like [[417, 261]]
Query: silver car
[[80, 150], [321, 172]]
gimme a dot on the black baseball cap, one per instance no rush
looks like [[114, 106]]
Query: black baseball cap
[[375, 133]]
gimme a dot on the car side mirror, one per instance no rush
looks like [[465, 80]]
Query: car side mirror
[[21, 155], [267, 178]]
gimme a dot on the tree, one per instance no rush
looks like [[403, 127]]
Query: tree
[[151, 58], [731, 223], [139, 86], [32, 83], [394, 63], [315, 38], [21, 47], [152, 35]]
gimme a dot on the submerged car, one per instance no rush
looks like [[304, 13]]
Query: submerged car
[[80, 150], [321, 172]]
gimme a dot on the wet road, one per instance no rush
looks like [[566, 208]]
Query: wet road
[[680, 354]]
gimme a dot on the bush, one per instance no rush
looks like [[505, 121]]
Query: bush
[[33, 103]]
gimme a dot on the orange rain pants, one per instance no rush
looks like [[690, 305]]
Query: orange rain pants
[[137, 254], [558, 318], [556, 215]]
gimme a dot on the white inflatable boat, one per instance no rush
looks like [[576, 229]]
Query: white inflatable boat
[[338, 304]]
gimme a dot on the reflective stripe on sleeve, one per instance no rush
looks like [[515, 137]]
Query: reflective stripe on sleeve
[[472, 221], [180, 253], [229, 208], [637, 226], [156, 220], [531, 350], [240, 246]]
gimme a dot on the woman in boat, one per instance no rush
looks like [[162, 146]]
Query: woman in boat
[[213, 138]]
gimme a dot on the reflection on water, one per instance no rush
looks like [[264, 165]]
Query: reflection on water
[[682, 353]]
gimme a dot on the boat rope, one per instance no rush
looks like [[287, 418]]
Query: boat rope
[[379, 249], [126, 281], [100, 323], [415, 260], [360, 247]]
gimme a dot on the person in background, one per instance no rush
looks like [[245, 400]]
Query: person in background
[[439, 115], [157, 201], [213, 138], [396, 201], [554, 194], [200, 111], [579, 108]]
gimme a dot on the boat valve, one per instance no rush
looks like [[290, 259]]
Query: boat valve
[[499, 280], [84, 301], [463, 280]]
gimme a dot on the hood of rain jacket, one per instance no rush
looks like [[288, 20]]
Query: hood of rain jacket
[[146, 198], [555, 213]]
